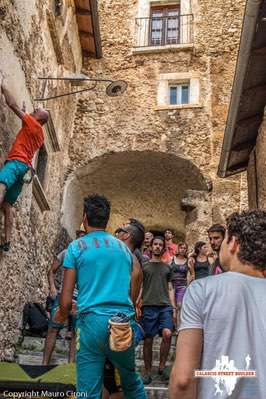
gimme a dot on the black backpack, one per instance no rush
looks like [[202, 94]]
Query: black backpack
[[35, 317]]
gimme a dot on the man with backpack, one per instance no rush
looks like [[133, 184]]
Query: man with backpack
[[35, 318]]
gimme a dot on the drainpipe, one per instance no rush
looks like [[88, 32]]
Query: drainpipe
[[247, 35]]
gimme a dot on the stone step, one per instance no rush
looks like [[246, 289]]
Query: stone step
[[35, 358], [155, 354], [31, 352], [31, 345], [157, 344], [154, 392], [35, 343]]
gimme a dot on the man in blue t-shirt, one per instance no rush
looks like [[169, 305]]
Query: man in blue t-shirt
[[101, 265]]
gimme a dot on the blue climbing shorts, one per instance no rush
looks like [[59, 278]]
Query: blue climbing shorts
[[155, 319], [11, 175]]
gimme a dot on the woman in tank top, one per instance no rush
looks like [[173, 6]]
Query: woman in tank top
[[199, 262], [179, 267]]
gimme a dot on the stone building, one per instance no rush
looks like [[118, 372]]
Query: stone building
[[245, 133], [38, 39], [153, 151]]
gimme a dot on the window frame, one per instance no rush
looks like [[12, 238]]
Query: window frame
[[164, 18], [178, 84], [41, 169], [51, 146]]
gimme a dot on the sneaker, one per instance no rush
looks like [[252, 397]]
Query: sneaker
[[165, 374], [5, 247], [146, 379], [68, 336]]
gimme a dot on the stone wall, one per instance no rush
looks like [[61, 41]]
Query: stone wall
[[33, 43], [155, 163], [135, 122], [256, 171]]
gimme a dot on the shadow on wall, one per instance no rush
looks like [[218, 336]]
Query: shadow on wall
[[145, 185]]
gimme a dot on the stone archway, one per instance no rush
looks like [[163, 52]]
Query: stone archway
[[143, 184]]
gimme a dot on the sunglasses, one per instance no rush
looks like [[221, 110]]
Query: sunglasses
[[120, 230]]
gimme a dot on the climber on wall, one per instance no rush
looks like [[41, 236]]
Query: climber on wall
[[12, 175]]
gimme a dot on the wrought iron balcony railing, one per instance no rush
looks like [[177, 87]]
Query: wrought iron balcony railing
[[162, 31]]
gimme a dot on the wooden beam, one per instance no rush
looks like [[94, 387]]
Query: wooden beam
[[82, 12], [259, 51], [87, 53], [256, 118], [96, 28], [259, 87], [86, 34], [244, 145], [239, 167]]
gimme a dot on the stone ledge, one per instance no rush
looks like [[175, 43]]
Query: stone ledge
[[176, 107], [162, 49]]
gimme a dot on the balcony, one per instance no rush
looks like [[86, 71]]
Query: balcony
[[168, 32]]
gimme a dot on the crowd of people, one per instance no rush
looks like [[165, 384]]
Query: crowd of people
[[168, 269], [116, 290], [160, 276]]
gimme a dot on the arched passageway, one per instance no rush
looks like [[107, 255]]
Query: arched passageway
[[145, 185]]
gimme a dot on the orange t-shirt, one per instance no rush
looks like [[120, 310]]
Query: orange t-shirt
[[29, 139], [170, 251]]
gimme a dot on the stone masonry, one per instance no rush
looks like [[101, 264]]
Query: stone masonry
[[149, 158], [155, 162], [29, 34]]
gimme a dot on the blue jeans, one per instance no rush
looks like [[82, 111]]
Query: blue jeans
[[92, 351]]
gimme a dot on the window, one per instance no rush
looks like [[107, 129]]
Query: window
[[41, 165], [40, 186], [164, 25], [179, 94], [179, 90], [57, 7]]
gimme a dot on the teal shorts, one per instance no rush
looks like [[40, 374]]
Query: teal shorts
[[60, 326], [54, 308], [11, 175]]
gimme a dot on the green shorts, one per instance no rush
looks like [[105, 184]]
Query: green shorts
[[11, 175]]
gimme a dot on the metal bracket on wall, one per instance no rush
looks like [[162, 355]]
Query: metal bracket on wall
[[114, 88]]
